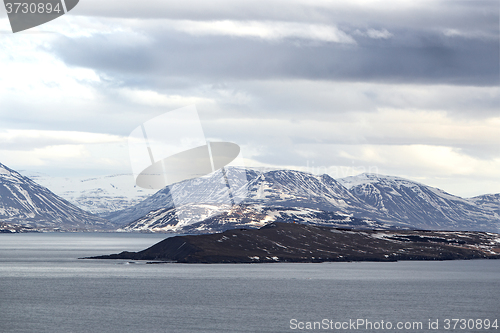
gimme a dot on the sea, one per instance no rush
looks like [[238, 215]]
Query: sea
[[45, 287]]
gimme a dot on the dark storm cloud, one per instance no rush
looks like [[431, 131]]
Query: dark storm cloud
[[408, 57]]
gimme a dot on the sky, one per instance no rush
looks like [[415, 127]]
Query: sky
[[401, 88]]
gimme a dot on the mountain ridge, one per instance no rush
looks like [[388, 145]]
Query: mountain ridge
[[422, 205], [363, 201], [27, 205], [388, 200]]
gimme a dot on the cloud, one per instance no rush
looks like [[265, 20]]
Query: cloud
[[358, 12], [407, 57], [269, 30], [379, 34], [153, 98], [408, 87], [330, 100], [475, 34], [375, 34], [56, 152], [19, 139], [426, 127], [398, 42]]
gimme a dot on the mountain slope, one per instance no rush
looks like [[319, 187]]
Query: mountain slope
[[419, 205], [294, 195], [289, 188], [488, 201], [283, 188], [209, 218], [24, 202], [207, 190], [97, 195]]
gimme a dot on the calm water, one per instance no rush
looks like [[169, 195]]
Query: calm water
[[45, 288]]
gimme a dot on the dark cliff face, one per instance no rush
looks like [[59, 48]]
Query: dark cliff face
[[291, 242]]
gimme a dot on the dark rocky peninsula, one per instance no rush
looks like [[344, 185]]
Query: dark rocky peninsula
[[293, 242]]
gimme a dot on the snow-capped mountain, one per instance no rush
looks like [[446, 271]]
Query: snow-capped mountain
[[97, 195], [421, 206], [23, 202], [388, 200], [283, 188], [291, 188], [261, 197], [488, 201], [224, 217], [208, 189]]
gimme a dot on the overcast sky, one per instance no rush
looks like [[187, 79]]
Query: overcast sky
[[405, 88]]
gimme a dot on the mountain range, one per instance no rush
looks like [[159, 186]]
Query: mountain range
[[366, 201], [424, 206]]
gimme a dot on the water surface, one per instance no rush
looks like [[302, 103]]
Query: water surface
[[45, 288]]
